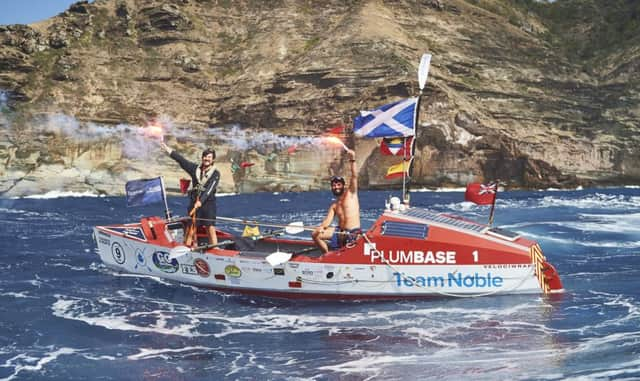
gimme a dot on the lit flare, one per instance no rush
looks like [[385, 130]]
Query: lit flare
[[154, 130], [336, 141]]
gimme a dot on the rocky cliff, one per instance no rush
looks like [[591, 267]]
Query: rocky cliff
[[521, 91]]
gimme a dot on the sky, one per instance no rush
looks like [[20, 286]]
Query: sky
[[30, 11]]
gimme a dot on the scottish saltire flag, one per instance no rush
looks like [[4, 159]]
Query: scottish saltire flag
[[395, 119], [144, 192], [397, 146]]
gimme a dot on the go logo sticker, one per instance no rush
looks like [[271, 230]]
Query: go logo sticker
[[162, 261], [117, 252]]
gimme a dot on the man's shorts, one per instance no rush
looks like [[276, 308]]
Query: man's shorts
[[342, 238]]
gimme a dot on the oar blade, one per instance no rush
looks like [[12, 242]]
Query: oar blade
[[423, 70], [278, 258], [178, 251], [294, 228]]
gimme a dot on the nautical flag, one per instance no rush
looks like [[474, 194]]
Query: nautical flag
[[396, 171], [144, 192], [397, 146], [394, 119], [481, 194]]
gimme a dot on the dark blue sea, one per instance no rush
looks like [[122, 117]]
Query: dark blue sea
[[65, 316]]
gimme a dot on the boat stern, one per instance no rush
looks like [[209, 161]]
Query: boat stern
[[547, 274]]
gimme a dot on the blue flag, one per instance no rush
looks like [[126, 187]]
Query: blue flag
[[394, 119], [144, 192]]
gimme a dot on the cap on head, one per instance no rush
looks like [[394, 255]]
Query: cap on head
[[337, 179], [209, 151]]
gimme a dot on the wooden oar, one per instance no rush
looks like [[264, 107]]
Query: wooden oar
[[182, 250], [191, 235], [291, 228], [279, 257]]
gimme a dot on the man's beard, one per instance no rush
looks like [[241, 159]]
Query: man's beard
[[337, 192]]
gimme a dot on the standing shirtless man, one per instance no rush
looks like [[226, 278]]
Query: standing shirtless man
[[346, 208]]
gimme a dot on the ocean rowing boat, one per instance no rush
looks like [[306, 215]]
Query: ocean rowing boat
[[408, 252]]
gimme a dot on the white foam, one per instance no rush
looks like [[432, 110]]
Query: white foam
[[149, 353], [18, 362], [74, 268], [18, 295], [61, 194], [226, 194], [438, 190], [371, 364], [75, 309], [592, 201]]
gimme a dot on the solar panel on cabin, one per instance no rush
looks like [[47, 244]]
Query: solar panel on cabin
[[504, 233], [405, 229], [428, 216]]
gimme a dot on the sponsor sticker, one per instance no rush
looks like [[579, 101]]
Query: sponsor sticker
[[202, 267], [129, 232], [141, 261], [233, 271], [188, 269], [161, 261], [118, 253], [409, 256]]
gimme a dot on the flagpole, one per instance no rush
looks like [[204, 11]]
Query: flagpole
[[167, 213], [404, 173], [493, 205], [423, 73]]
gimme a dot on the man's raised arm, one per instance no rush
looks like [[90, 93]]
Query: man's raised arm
[[353, 180]]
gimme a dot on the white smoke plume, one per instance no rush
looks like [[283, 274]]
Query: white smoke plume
[[3, 108], [142, 141], [137, 141], [4, 97], [243, 139]]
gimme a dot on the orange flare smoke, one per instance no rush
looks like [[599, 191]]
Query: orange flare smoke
[[154, 130]]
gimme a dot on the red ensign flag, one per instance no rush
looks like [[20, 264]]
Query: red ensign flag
[[481, 194]]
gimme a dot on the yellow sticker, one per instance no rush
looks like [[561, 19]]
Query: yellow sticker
[[233, 271]]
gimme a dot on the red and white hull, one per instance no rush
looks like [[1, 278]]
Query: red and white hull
[[413, 253]]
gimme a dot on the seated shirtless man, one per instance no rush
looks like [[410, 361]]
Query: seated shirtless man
[[346, 208]]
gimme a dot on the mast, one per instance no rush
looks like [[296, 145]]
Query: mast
[[423, 73]]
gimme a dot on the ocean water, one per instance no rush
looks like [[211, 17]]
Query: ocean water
[[65, 316]]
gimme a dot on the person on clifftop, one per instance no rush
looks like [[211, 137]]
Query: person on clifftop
[[205, 178], [346, 208]]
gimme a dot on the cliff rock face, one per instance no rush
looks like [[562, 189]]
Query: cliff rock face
[[509, 95]]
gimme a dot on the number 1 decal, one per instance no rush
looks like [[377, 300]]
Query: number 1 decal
[[475, 255]]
